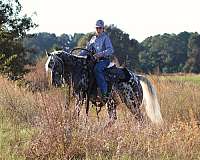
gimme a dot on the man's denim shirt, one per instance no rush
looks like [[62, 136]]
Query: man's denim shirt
[[102, 45]]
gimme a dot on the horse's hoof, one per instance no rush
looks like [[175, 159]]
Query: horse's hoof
[[101, 104]]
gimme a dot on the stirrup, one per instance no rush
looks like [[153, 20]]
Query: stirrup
[[104, 98]]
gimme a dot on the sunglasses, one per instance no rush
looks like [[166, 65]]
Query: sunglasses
[[98, 27]]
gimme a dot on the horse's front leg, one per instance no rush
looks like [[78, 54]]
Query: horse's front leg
[[77, 107], [78, 104], [111, 105]]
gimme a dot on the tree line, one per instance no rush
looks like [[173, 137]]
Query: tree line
[[167, 53], [171, 53]]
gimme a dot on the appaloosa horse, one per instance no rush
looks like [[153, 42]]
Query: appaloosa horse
[[134, 90]]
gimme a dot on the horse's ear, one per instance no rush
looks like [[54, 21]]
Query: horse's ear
[[48, 54]]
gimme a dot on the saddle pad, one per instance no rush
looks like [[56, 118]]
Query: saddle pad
[[111, 65]]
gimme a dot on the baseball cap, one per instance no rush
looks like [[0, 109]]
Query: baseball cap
[[100, 23]]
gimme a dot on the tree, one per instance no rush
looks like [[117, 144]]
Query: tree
[[193, 61], [75, 39], [13, 28], [166, 53], [126, 49], [37, 44]]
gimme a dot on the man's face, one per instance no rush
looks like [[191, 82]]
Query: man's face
[[99, 30]]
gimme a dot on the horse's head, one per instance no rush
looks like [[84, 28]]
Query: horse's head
[[55, 65], [62, 64]]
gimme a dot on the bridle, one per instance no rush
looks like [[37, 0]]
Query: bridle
[[57, 60]]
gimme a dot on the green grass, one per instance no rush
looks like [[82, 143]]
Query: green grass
[[183, 78], [13, 137]]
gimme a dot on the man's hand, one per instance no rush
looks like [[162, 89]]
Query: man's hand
[[97, 55]]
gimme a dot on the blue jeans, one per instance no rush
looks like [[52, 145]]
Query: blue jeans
[[99, 69]]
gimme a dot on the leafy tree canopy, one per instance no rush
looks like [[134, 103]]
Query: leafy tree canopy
[[13, 28]]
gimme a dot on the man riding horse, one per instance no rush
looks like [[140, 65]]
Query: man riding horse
[[133, 90], [103, 49]]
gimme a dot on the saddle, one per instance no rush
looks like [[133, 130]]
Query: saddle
[[114, 74]]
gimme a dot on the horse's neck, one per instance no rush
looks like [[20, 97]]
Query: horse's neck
[[77, 70]]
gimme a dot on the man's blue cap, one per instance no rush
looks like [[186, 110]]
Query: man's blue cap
[[100, 23]]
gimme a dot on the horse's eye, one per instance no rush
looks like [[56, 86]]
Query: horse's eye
[[50, 65]]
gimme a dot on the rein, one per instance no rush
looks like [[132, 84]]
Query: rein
[[59, 60]]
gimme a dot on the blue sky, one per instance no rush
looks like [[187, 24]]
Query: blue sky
[[139, 18]]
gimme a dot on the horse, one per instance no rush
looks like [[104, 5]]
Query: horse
[[134, 90]]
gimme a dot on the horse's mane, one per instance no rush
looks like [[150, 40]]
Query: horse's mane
[[58, 52], [63, 54]]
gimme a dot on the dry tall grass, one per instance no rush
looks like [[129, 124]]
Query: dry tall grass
[[56, 133]]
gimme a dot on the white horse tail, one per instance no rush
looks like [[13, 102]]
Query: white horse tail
[[150, 101]]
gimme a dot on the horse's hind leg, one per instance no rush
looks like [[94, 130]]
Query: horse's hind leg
[[136, 111], [134, 105], [132, 100]]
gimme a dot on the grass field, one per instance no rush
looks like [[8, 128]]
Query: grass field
[[191, 78], [38, 126]]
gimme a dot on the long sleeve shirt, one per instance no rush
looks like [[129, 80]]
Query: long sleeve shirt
[[102, 45]]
